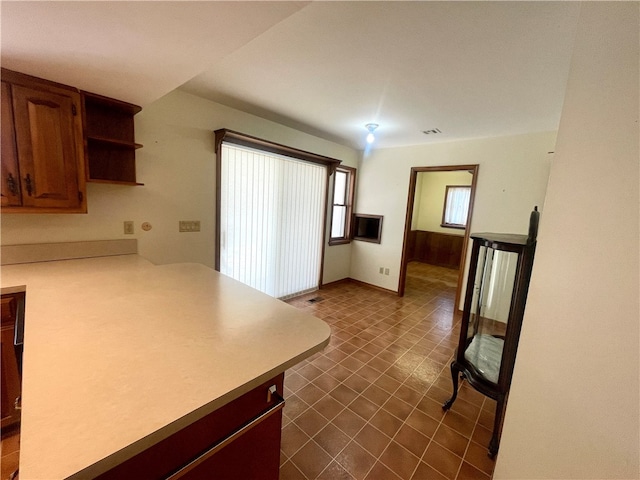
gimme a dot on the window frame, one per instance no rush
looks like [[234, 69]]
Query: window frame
[[349, 200], [242, 139], [443, 223]]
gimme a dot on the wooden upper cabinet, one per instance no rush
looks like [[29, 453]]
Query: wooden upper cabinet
[[46, 128], [10, 186]]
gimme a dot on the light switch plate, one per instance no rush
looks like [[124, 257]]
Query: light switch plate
[[189, 226]]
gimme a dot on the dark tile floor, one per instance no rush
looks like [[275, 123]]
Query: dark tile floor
[[9, 451], [369, 405]]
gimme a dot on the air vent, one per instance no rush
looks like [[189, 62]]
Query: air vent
[[433, 131]]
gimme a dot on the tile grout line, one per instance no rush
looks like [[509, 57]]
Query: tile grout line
[[381, 407], [382, 323]]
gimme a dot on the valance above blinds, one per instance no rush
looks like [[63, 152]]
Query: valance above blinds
[[237, 138]]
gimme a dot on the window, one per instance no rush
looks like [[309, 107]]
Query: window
[[343, 190], [456, 206]]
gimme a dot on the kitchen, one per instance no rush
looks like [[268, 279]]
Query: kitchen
[[176, 165]]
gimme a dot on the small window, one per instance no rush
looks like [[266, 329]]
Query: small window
[[344, 180], [456, 206]]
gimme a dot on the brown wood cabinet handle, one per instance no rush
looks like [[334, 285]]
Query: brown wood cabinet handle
[[13, 186], [233, 436], [28, 184]]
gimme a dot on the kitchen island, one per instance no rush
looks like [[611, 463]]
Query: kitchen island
[[121, 354]]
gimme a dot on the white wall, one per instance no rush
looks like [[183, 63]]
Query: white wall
[[177, 166], [512, 178], [574, 406], [429, 199]]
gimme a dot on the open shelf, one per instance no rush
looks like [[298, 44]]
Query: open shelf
[[110, 140], [113, 142]]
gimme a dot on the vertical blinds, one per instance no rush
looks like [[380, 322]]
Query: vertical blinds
[[271, 220]]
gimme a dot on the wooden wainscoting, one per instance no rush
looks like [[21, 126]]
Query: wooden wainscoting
[[441, 249]]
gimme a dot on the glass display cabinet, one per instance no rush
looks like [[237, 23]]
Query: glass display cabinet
[[499, 274]]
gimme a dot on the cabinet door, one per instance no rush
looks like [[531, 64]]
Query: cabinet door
[[255, 455], [10, 379], [50, 150], [9, 367], [10, 186]]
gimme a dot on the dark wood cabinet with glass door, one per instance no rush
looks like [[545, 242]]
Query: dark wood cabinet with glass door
[[499, 274]]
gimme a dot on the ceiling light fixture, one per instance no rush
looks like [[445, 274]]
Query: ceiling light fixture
[[371, 127]]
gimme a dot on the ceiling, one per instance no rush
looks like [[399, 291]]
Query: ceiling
[[467, 69]]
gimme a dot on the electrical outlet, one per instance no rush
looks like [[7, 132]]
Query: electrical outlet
[[189, 226], [128, 227], [386, 271], [381, 269]]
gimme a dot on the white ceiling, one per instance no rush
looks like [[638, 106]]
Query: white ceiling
[[469, 69]]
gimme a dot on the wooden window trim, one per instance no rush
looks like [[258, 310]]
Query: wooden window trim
[[237, 138], [444, 224], [350, 194]]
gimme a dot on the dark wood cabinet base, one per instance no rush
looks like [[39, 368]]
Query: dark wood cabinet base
[[240, 440], [10, 363]]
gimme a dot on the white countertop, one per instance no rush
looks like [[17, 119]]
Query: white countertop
[[120, 353]]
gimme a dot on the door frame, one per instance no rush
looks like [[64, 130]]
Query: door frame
[[473, 169]]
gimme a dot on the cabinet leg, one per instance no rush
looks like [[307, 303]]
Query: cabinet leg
[[493, 447], [454, 377], [497, 428]]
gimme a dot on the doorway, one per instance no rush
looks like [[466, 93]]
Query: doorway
[[427, 243]]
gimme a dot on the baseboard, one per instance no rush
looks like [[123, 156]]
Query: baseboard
[[335, 282], [359, 282]]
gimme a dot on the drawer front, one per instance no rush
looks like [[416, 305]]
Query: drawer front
[[172, 454], [8, 305]]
